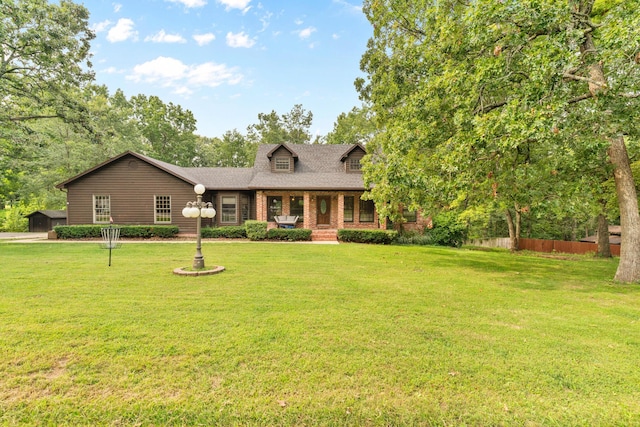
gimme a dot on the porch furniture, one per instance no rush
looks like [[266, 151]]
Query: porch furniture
[[286, 221]]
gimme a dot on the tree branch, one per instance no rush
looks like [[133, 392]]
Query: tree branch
[[570, 76], [580, 98]]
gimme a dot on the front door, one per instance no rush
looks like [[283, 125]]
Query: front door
[[324, 210]]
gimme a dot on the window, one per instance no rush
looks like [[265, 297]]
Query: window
[[274, 206], [229, 210], [283, 164], [366, 210], [101, 209], [296, 205], [348, 209], [163, 210], [409, 216], [355, 165]]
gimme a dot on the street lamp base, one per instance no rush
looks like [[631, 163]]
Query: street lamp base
[[198, 263]]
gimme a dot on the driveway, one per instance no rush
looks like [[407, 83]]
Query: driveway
[[23, 237]]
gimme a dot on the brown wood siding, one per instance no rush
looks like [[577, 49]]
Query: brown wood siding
[[131, 185], [282, 153]]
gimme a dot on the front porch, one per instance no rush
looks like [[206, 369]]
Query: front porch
[[318, 210]]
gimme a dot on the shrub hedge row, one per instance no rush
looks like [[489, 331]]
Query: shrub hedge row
[[289, 234], [254, 230], [129, 231], [383, 237], [231, 232]]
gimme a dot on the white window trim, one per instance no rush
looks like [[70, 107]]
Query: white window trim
[[106, 197], [155, 210]]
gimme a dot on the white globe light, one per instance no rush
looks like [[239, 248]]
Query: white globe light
[[185, 212], [208, 212], [199, 189]]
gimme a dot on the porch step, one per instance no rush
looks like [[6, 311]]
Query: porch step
[[324, 235]]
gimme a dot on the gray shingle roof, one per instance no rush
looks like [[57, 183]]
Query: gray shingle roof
[[317, 167]]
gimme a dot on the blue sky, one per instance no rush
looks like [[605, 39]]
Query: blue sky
[[228, 60]]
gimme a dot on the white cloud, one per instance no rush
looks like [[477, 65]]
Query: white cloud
[[236, 4], [239, 40], [190, 3], [212, 75], [204, 39], [99, 27], [335, 36], [162, 37], [160, 70], [306, 32], [117, 7], [123, 30], [298, 21], [182, 78], [111, 70], [350, 7]]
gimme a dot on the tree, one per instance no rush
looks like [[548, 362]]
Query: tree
[[45, 59], [167, 128], [291, 128], [355, 127], [268, 130], [457, 87], [296, 124], [233, 150]]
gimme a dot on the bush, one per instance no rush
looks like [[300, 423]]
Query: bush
[[414, 239], [231, 232], [383, 237], [130, 231], [289, 234], [447, 230], [256, 230]]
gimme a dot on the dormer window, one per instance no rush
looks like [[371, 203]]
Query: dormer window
[[354, 165], [283, 164]]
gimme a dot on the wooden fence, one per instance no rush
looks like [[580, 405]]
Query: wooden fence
[[539, 245]]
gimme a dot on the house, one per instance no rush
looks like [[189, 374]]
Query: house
[[321, 184], [44, 220]]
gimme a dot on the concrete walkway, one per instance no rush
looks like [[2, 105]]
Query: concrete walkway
[[23, 237]]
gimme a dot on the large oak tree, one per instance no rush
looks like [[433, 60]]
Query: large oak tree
[[467, 93]]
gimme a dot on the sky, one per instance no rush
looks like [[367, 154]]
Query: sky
[[229, 60]]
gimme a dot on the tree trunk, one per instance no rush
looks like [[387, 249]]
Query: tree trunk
[[514, 230], [604, 250], [629, 266]]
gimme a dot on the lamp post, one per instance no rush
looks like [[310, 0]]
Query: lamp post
[[198, 210]]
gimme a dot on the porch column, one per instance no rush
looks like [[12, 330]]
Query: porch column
[[307, 210], [340, 210], [260, 206]]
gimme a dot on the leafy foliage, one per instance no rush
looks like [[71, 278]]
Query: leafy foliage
[[256, 230], [228, 232], [383, 237], [289, 234]]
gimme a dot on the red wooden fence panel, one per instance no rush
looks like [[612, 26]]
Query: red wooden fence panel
[[539, 245]]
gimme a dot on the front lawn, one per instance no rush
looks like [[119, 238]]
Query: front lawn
[[300, 334]]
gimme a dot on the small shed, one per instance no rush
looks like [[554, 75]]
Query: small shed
[[44, 221]]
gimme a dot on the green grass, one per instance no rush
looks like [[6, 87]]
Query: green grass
[[296, 334]]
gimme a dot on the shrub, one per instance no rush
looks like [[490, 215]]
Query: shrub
[[130, 231], [414, 239], [447, 230], [256, 230], [383, 237], [289, 234], [231, 232]]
